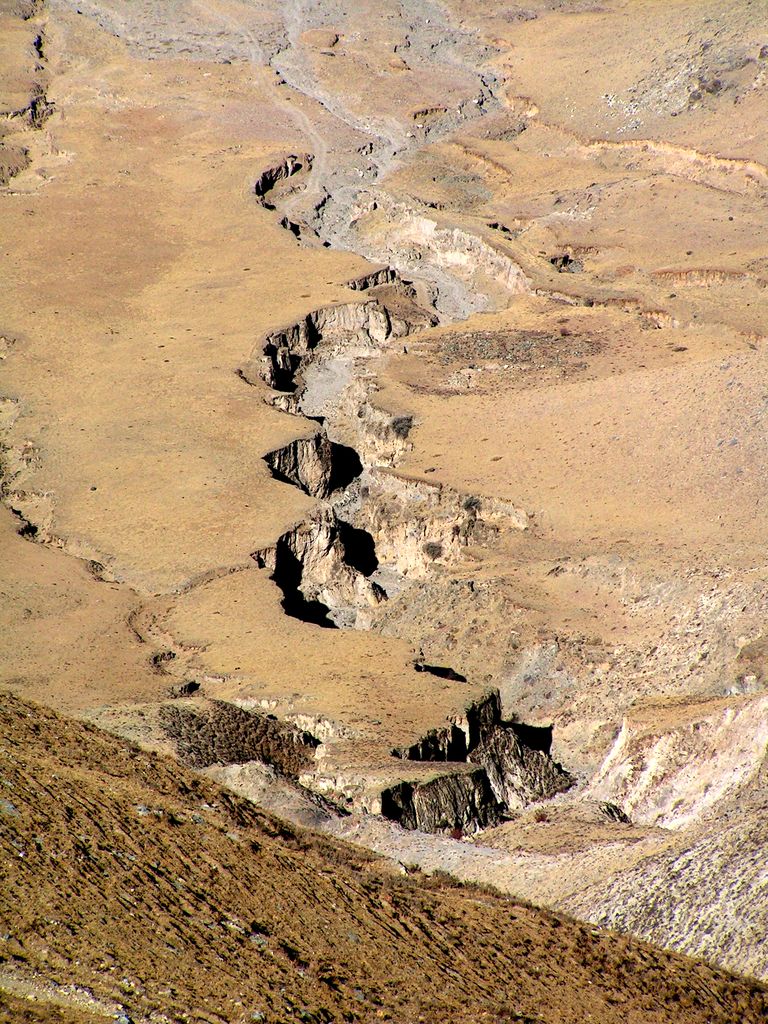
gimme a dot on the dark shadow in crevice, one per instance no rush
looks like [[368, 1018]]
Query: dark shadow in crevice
[[566, 264], [284, 362], [440, 671], [345, 467], [287, 575], [359, 549], [337, 465], [535, 737], [282, 377], [291, 226]]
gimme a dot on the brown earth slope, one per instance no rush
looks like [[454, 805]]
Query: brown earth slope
[[132, 887], [561, 486]]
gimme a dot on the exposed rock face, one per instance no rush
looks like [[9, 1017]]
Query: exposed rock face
[[460, 801], [322, 565], [671, 764], [515, 771], [379, 436], [382, 275], [315, 464], [454, 741], [350, 326], [416, 522], [270, 176], [518, 775], [417, 239], [226, 734]]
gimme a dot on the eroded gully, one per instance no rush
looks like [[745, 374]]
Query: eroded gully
[[373, 530]]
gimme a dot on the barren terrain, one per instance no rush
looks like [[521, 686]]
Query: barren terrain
[[133, 889], [383, 433]]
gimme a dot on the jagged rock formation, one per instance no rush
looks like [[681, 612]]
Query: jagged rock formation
[[517, 773], [315, 464], [354, 328], [417, 522], [516, 770], [456, 803], [323, 565], [454, 741], [271, 176]]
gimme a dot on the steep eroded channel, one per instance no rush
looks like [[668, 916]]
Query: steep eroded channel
[[324, 565]]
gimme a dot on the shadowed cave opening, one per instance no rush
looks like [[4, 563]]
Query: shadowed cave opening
[[288, 575], [358, 552], [534, 737]]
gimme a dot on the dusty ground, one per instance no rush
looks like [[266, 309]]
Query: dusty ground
[[563, 480]]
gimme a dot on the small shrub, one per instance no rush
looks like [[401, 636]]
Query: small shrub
[[432, 549], [401, 425]]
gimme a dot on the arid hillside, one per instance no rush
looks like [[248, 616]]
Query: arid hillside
[[133, 889], [383, 438]]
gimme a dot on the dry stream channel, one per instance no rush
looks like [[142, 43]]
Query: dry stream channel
[[371, 528]]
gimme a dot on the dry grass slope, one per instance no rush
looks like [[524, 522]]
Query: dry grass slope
[[126, 875]]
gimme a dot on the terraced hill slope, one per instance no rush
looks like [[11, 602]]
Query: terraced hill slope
[[131, 888]]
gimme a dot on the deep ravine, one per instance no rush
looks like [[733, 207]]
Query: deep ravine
[[328, 567]]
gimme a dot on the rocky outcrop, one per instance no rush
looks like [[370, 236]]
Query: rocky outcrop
[[472, 773], [223, 733], [316, 465], [322, 566], [515, 769], [374, 278], [467, 264], [518, 774], [456, 802], [270, 176], [417, 522], [380, 436], [462, 733], [352, 327]]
